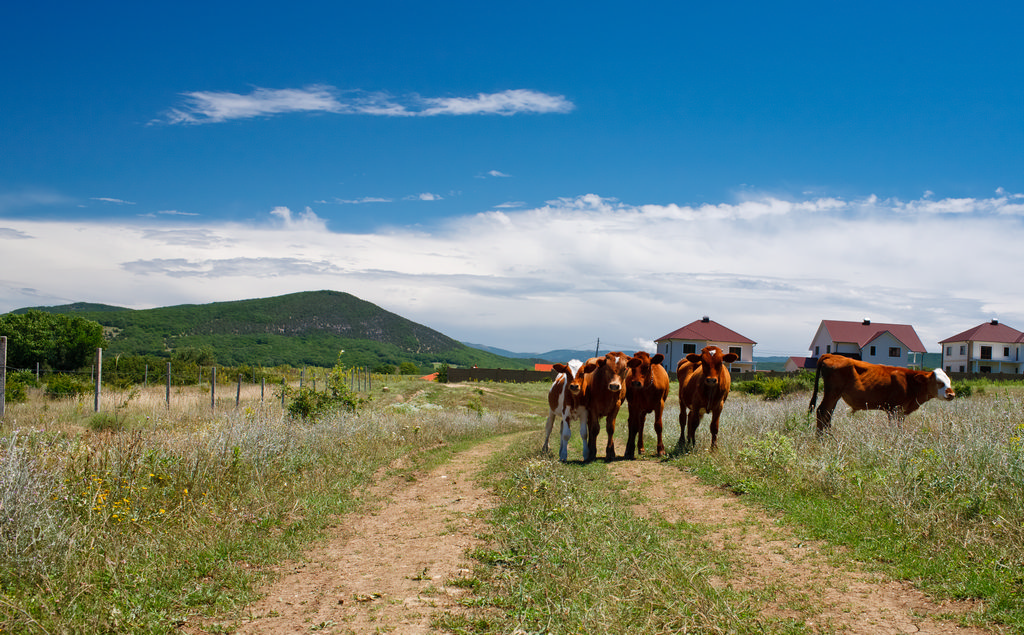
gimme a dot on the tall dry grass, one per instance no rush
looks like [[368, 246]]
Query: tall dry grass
[[142, 516]]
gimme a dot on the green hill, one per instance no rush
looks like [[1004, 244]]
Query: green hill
[[297, 329]]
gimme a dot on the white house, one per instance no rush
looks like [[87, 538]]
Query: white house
[[875, 342], [990, 347], [706, 332]]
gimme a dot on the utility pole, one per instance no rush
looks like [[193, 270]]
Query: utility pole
[[597, 351]]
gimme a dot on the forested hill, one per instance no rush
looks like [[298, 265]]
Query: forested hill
[[295, 329]]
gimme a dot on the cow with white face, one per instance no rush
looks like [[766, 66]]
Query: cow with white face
[[563, 403]]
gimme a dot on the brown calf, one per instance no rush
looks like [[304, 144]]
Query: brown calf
[[703, 387], [647, 387], [604, 380]]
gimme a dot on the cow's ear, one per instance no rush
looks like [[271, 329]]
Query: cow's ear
[[657, 359], [634, 362], [693, 358], [591, 367], [729, 358], [561, 368]]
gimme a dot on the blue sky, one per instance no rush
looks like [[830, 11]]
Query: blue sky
[[528, 176]]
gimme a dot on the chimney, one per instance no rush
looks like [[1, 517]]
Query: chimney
[[705, 319], [995, 322], [866, 322]]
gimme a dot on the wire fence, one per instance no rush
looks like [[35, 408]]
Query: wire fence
[[120, 374]]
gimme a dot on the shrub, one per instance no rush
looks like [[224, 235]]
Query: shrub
[[408, 368], [60, 386]]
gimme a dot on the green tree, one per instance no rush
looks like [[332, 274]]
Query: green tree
[[408, 368], [58, 341]]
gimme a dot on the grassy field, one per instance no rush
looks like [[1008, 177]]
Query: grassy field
[[138, 518]]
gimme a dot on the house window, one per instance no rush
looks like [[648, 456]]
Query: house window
[[738, 351], [1006, 351], [949, 351], [817, 351], [828, 349], [963, 350], [986, 352], [689, 348], [895, 351], [961, 368], [872, 351]]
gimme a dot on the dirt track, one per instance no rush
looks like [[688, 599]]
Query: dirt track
[[395, 569]]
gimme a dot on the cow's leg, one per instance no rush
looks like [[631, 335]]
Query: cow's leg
[[563, 449], [547, 430], [585, 436], [692, 423], [824, 413], [631, 439], [641, 422], [715, 414], [657, 430], [682, 427], [609, 426]]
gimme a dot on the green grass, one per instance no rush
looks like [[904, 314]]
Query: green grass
[[938, 502], [142, 520], [137, 529], [568, 556]]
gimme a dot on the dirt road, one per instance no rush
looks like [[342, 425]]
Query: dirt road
[[396, 569]]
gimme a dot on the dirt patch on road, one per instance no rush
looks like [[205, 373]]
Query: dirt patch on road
[[840, 599]]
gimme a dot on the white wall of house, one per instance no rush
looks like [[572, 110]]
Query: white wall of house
[[886, 349], [982, 357], [675, 350]]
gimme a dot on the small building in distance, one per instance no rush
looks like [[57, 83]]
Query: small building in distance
[[794, 364], [874, 342], [706, 332], [990, 347]]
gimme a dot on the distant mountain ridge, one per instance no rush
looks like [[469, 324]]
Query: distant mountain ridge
[[305, 328]]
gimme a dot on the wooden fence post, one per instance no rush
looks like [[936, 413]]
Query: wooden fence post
[[99, 379], [238, 392], [213, 388], [168, 385], [263, 387], [283, 385]]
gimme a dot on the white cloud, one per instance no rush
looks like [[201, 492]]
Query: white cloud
[[357, 201], [573, 270], [201, 107], [425, 196], [115, 201], [498, 174]]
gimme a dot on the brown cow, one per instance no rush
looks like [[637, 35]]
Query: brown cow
[[647, 386], [604, 380], [563, 402], [703, 387], [863, 386]]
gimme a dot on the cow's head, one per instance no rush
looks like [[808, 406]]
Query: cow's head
[[711, 359], [943, 387], [611, 369], [639, 373], [578, 383]]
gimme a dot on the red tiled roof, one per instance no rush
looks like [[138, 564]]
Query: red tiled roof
[[988, 332], [860, 333], [544, 367], [709, 331], [810, 363]]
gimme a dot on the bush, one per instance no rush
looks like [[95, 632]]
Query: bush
[[60, 386], [408, 368], [385, 369]]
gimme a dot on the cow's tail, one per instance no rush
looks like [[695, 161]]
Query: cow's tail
[[814, 394]]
